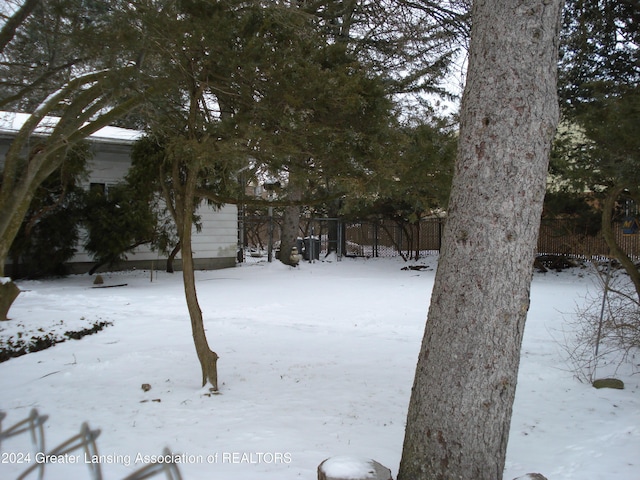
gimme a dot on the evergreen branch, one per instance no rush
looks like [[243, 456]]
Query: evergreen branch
[[9, 29], [260, 202], [25, 91]]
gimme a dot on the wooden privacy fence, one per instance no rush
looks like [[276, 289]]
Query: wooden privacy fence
[[556, 237], [387, 238]]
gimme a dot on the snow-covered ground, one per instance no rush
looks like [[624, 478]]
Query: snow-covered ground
[[315, 362]]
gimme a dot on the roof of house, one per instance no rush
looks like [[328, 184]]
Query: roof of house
[[11, 122]]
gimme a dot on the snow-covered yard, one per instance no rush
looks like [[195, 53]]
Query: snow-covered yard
[[315, 362]]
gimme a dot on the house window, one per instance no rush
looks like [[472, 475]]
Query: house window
[[98, 188]]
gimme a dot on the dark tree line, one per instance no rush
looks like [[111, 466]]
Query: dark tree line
[[597, 149]]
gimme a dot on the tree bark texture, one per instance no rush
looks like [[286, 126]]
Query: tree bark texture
[[9, 291], [172, 257], [461, 402], [184, 207]]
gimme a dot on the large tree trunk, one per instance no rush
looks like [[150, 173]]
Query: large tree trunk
[[461, 403], [14, 205], [9, 291]]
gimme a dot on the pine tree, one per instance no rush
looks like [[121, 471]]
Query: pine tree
[[600, 92], [50, 231], [78, 61]]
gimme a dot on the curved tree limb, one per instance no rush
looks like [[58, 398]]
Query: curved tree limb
[[610, 239], [13, 23], [261, 202]]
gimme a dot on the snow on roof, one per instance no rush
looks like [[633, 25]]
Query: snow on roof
[[11, 122]]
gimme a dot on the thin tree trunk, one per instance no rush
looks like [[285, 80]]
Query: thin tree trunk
[[461, 403], [332, 227], [610, 238], [290, 225], [172, 257], [208, 359]]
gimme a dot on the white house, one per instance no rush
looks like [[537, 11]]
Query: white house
[[214, 247]]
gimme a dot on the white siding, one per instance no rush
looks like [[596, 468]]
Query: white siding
[[214, 247], [217, 239], [110, 164], [219, 235]]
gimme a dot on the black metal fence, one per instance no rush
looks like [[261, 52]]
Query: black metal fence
[[386, 238], [79, 449]]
